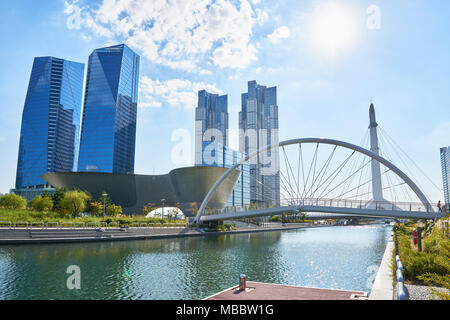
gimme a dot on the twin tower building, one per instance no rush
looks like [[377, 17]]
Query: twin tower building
[[258, 127], [51, 139]]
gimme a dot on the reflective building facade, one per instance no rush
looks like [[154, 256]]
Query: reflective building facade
[[258, 124], [218, 155], [445, 164], [211, 113], [108, 133], [49, 137]]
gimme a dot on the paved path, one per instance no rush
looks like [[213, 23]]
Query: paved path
[[61, 235], [417, 292]]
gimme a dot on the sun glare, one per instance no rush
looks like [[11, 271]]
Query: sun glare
[[333, 28]]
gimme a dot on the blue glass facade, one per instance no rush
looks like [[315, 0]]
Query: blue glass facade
[[49, 136], [211, 113], [218, 155], [108, 134], [259, 113]]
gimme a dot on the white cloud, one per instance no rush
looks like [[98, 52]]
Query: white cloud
[[174, 92], [179, 34], [278, 34]]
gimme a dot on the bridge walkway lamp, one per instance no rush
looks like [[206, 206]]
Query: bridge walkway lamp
[[104, 195]]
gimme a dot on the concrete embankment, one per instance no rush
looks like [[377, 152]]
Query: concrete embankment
[[382, 288], [44, 235]]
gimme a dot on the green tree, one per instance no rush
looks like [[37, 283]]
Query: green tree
[[114, 210], [74, 202], [58, 196], [13, 201], [41, 203], [193, 208], [96, 208]]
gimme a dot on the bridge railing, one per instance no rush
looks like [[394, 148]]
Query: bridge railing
[[362, 204], [336, 203]]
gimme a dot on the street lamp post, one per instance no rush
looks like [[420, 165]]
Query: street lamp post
[[104, 195], [162, 211]]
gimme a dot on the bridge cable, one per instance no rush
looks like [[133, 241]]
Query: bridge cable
[[321, 173], [342, 182], [384, 132], [309, 171], [292, 172], [388, 146], [339, 168]]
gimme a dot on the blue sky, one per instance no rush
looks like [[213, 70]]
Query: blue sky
[[327, 58]]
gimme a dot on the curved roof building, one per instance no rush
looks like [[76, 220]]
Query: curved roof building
[[132, 191]]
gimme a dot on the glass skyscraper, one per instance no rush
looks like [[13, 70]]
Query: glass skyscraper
[[445, 164], [108, 133], [211, 113], [49, 136], [258, 124], [218, 155]]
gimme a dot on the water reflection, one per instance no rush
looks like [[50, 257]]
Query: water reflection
[[193, 268]]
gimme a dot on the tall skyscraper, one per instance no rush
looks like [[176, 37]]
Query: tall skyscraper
[[211, 143], [445, 164], [218, 155], [258, 124], [211, 113], [49, 136], [108, 133]]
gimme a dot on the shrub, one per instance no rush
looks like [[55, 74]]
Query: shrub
[[434, 279], [41, 203], [13, 201]]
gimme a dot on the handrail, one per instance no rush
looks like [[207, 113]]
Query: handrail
[[37, 222], [339, 203], [51, 222], [91, 223], [10, 223], [66, 222], [20, 222]]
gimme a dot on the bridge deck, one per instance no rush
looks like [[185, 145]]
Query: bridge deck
[[270, 291], [310, 210]]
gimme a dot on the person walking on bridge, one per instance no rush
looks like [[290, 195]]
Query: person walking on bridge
[[439, 206]]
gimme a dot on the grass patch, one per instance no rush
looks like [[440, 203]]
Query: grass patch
[[31, 216]]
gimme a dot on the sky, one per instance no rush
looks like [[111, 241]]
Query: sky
[[328, 59]]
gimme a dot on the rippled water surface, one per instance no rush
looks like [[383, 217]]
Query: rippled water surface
[[194, 268]]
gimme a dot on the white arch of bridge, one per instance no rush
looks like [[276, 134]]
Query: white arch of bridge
[[299, 141]]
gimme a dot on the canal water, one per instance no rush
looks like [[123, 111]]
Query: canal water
[[344, 257]]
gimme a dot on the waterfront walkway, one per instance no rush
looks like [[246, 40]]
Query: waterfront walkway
[[67, 235]]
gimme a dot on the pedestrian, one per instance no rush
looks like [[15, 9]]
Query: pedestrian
[[439, 206]]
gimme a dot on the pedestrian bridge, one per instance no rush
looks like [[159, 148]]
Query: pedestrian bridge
[[351, 184], [329, 209]]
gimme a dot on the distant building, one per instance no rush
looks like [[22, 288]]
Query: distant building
[[258, 124], [218, 155], [211, 115], [108, 133], [49, 136], [445, 164]]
